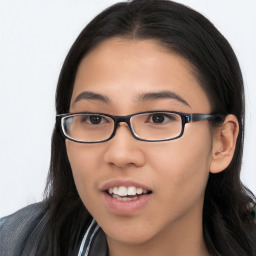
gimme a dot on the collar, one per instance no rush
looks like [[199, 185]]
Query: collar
[[94, 242]]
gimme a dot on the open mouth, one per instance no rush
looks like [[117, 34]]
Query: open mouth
[[123, 193]]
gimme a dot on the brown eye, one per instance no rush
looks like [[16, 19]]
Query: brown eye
[[158, 118], [95, 119]]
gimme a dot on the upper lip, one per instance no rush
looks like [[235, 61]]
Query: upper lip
[[119, 182]]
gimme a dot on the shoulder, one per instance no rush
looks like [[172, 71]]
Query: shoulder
[[16, 228]]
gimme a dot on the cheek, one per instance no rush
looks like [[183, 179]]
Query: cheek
[[84, 163], [184, 164]]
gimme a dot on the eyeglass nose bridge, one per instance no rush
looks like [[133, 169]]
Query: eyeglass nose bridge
[[122, 119]]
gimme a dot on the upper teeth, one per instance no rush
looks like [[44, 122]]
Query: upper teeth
[[126, 191]]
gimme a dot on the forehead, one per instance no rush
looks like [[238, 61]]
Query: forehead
[[122, 69]]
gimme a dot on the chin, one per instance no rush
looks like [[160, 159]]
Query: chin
[[134, 238]]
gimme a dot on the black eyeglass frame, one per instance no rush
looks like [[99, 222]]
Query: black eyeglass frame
[[185, 118]]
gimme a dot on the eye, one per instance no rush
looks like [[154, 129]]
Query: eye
[[158, 118], [93, 119], [161, 118]]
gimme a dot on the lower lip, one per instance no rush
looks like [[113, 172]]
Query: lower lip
[[125, 207]]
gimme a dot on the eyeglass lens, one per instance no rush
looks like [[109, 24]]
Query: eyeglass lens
[[147, 126]]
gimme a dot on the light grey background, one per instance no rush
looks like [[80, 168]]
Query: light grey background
[[35, 37]]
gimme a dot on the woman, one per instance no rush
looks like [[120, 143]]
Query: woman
[[147, 147]]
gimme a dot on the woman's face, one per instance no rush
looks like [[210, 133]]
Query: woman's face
[[175, 172]]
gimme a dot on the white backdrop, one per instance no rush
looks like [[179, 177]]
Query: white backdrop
[[35, 37]]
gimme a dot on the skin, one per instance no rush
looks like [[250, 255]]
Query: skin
[[176, 171]]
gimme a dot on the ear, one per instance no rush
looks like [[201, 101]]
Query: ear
[[224, 144]]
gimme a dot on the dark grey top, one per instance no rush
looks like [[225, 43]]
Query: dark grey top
[[20, 234]]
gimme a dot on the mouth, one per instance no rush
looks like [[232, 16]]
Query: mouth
[[130, 193], [125, 197]]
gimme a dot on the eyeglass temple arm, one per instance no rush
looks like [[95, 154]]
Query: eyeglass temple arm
[[200, 117]]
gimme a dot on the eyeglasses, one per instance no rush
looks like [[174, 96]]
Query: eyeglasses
[[151, 126]]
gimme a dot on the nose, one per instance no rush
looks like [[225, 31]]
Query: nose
[[124, 150]]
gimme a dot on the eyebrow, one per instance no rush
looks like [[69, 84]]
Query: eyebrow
[[162, 95], [88, 95]]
